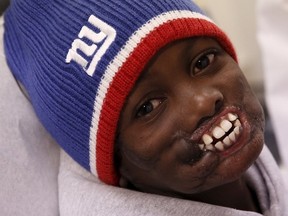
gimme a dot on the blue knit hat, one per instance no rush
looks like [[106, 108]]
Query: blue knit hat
[[79, 60]]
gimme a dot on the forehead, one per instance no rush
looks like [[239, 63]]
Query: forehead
[[174, 55]]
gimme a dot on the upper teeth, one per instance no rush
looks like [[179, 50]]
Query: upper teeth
[[226, 125], [220, 131], [232, 117], [207, 139]]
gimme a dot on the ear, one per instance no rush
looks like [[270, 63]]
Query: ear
[[123, 182]]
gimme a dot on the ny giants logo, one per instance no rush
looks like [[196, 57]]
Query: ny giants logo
[[93, 52]]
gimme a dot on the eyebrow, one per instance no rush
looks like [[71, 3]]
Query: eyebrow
[[187, 51], [145, 75]]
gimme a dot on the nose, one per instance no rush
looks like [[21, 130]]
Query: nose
[[202, 104], [207, 102]]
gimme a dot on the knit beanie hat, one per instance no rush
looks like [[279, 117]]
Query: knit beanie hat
[[79, 59]]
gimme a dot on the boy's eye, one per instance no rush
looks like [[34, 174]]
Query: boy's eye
[[203, 61], [148, 107]]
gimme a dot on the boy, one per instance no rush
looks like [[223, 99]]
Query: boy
[[136, 93], [193, 133]]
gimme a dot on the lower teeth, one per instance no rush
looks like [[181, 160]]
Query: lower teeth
[[228, 141], [212, 142]]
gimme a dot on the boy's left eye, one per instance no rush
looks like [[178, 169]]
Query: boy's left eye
[[148, 107], [203, 61]]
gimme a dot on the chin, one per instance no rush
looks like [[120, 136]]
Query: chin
[[230, 168], [236, 165]]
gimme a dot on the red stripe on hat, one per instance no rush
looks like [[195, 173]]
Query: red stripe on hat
[[127, 75]]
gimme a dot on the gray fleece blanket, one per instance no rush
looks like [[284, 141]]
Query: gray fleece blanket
[[37, 178]]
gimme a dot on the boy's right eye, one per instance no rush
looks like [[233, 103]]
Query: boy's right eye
[[203, 61], [148, 107]]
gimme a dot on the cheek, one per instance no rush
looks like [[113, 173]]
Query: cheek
[[255, 113], [251, 104], [154, 151], [238, 91], [144, 147]]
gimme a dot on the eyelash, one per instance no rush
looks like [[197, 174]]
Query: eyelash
[[155, 103], [207, 55]]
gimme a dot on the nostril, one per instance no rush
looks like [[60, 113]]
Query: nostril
[[217, 109], [202, 121], [218, 105]]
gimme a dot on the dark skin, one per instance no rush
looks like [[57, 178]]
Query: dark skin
[[187, 90]]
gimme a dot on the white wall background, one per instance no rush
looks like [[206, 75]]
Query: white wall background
[[238, 20]]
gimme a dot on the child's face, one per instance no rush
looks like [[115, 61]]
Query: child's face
[[190, 92]]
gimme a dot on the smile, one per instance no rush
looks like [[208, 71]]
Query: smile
[[222, 136]]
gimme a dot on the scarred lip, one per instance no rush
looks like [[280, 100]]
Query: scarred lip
[[224, 134]]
